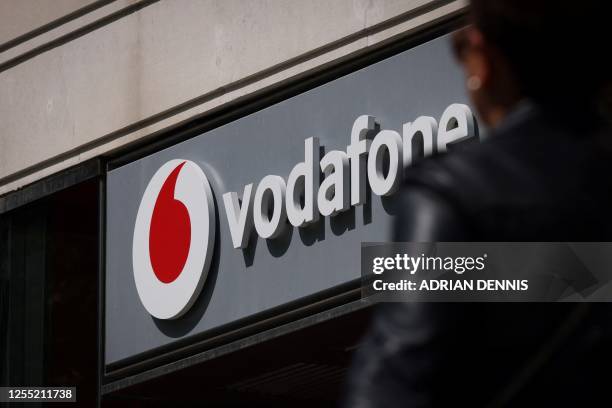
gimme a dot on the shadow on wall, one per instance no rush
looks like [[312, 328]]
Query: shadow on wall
[[315, 232]]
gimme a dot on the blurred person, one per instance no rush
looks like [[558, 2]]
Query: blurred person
[[538, 73]]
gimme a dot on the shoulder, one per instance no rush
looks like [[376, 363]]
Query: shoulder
[[534, 163], [473, 177], [520, 182]]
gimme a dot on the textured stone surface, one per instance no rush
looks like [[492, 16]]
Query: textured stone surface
[[60, 107]]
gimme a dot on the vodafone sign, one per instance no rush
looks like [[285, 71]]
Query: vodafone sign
[[175, 226], [269, 211], [174, 238], [375, 158]]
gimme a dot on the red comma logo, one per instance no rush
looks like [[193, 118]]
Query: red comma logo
[[174, 239]]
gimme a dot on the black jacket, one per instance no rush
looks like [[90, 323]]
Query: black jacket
[[539, 177]]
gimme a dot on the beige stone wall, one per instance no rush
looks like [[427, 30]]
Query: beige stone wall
[[105, 88], [18, 17]]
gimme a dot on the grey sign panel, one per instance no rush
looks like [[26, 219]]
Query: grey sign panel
[[304, 261]]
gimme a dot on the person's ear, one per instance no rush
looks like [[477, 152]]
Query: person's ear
[[477, 61], [489, 80]]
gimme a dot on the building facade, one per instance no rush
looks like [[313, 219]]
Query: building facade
[[99, 96]]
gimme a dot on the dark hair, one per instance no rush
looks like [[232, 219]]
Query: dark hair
[[558, 49]]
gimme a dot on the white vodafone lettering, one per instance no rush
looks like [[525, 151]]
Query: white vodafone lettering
[[240, 217], [334, 192], [381, 184], [456, 124], [374, 156], [269, 207], [364, 129], [303, 181], [427, 128]]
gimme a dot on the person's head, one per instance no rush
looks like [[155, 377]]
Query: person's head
[[554, 52]]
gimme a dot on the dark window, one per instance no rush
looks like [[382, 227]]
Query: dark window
[[49, 292]]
